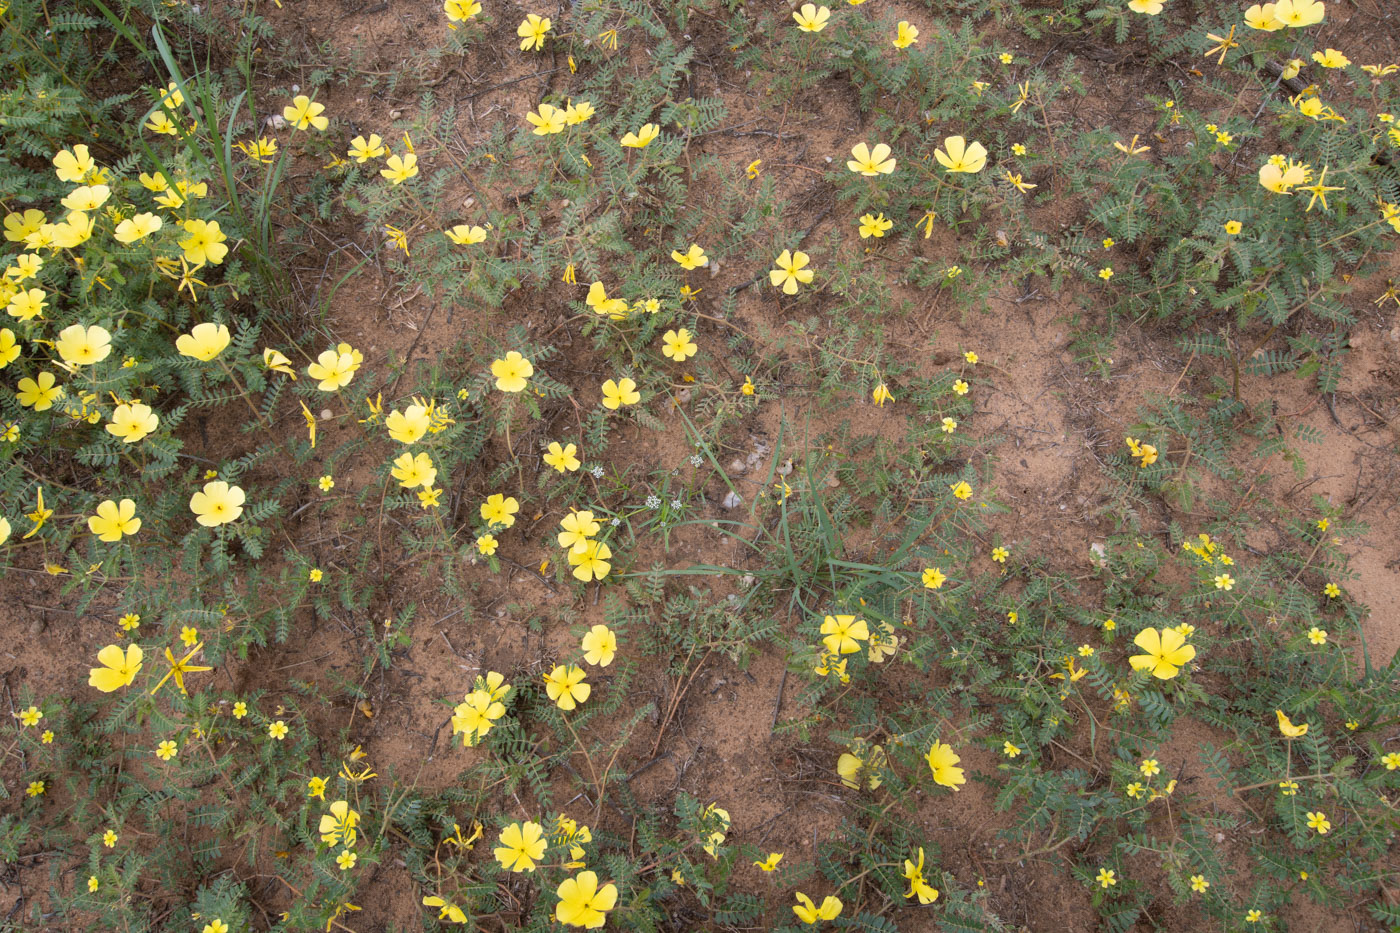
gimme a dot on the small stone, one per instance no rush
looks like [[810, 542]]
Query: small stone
[[732, 500]]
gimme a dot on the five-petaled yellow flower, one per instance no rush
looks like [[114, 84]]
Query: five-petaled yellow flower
[[563, 459], [812, 18], [599, 645], [906, 34], [960, 156], [117, 669], [548, 120], [532, 30], [303, 112], [512, 371], [677, 345], [566, 687], [522, 846], [582, 903], [870, 162], [114, 521], [217, 503], [620, 392], [1165, 653], [204, 342], [693, 258], [791, 270], [399, 169]]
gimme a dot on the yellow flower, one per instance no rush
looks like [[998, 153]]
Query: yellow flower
[[204, 342], [941, 761], [113, 521], [499, 509], [1262, 17], [1281, 179], [905, 35], [861, 758], [166, 750], [563, 459], [602, 305], [1317, 635], [1318, 821], [41, 394], [1150, 7], [770, 863], [1299, 13], [86, 197], [933, 578], [362, 150], [566, 686], [1165, 654], [117, 669], [1233, 227], [677, 345], [1106, 273], [466, 235], [240, 709], [1328, 59], [548, 120], [137, 228], [35, 789], [918, 887], [346, 859], [881, 395], [1107, 878], [132, 422], [1019, 184], [18, 226], [693, 258], [591, 561], [582, 903], [303, 112], [874, 226], [446, 910], [812, 18], [961, 157], [414, 470], [790, 271], [83, 346], [334, 369], [487, 544], [1010, 750], [399, 169], [574, 114], [599, 645], [409, 425], [619, 393], [74, 165], [961, 489], [1285, 725], [871, 162], [532, 30], [27, 304], [642, 138], [578, 528], [339, 824], [808, 912], [960, 386], [512, 372], [217, 504], [843, 634]]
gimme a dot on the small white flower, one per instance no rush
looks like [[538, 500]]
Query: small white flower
[[696, 460], [616, 522], [676, 504], [653, 502], [598, 472]]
